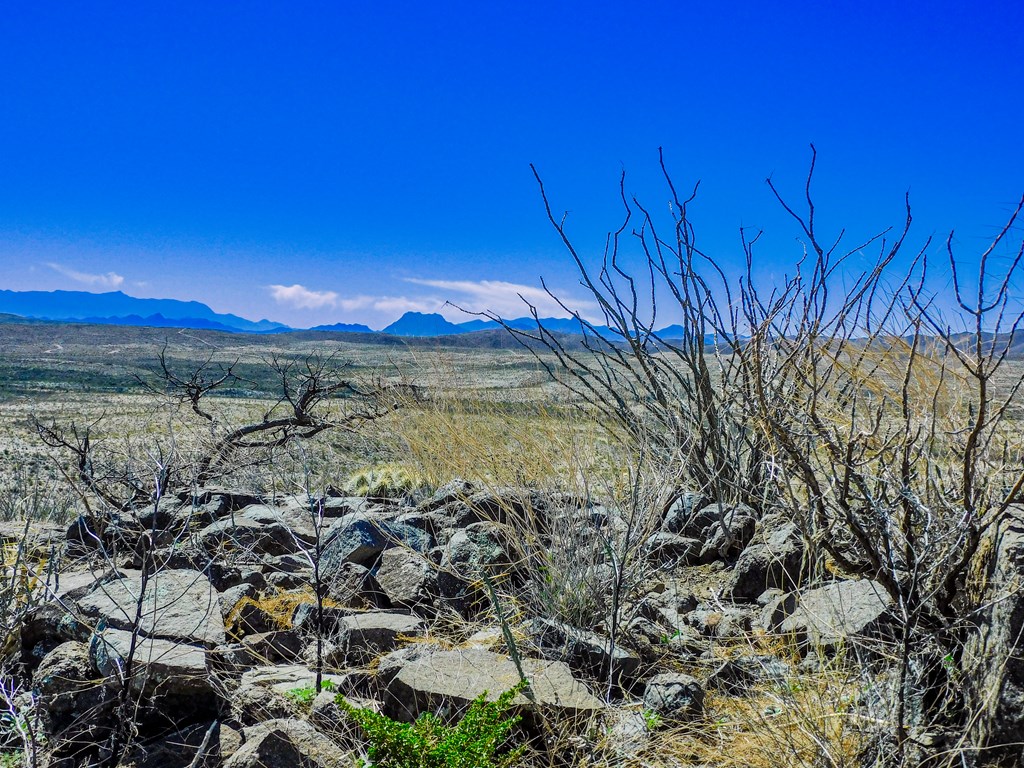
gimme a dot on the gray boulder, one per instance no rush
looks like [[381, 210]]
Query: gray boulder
[[46, 627], [481, 549], [200, 508], [363, 637], [407, 578], [392, 663], [675, 697], [498, 506], [774, 559], [288, 743], [177, 605], [776, 609], [219, 501], [672, 549], [354, 586], [296, 517], [737, 675], [482, 546], [699, 521], [627, 734], [339, 506], [284, 678], [159, 668], [73, 584], [65, 684], [684, 510], [845, 614], [293, 563], [286, 582], [270, 647], [241, 535], [585, 651], [305, 618], [232, 596], [436, 522], [725, 539], [229, 661], [686, 643], [451, 492], [725, 622], [361, 538], [454, 678]]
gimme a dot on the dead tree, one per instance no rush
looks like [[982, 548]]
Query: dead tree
[[311, 395], [847, 398], [663, 391]]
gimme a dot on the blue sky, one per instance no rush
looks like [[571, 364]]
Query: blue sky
[[325, 162]]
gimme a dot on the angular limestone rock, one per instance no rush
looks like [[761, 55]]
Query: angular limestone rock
[[455, 678]]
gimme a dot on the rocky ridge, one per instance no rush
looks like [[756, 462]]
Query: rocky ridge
[[204, 615]]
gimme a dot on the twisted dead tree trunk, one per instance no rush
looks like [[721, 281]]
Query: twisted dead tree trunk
[[312, 394]]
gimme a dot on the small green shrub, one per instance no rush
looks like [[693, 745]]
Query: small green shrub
[[478, 740], [304, 696], [652, 720]]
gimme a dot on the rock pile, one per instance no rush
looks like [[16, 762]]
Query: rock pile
[[208, 621]]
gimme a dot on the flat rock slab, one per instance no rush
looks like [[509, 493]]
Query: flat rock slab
[[360, 638], [158, 666], [34, 534], [299, 519], [370, 634], [457, 677], [581, 649], [177, 605], [243, 534], [379, 626], [841, 613], [285, 678], [73, 584]]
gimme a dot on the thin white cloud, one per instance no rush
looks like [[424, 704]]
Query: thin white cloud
[[300, 297], [448, 297], [504, 298], [405, 304], [356, 302], [108, 280]]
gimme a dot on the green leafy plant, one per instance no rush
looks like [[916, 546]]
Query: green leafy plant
[[652, 720], [478, 740], [304, 696], [665, 639]]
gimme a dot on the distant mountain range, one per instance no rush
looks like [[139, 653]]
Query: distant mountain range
[[117, 308], [420, 324], [344, 328]]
